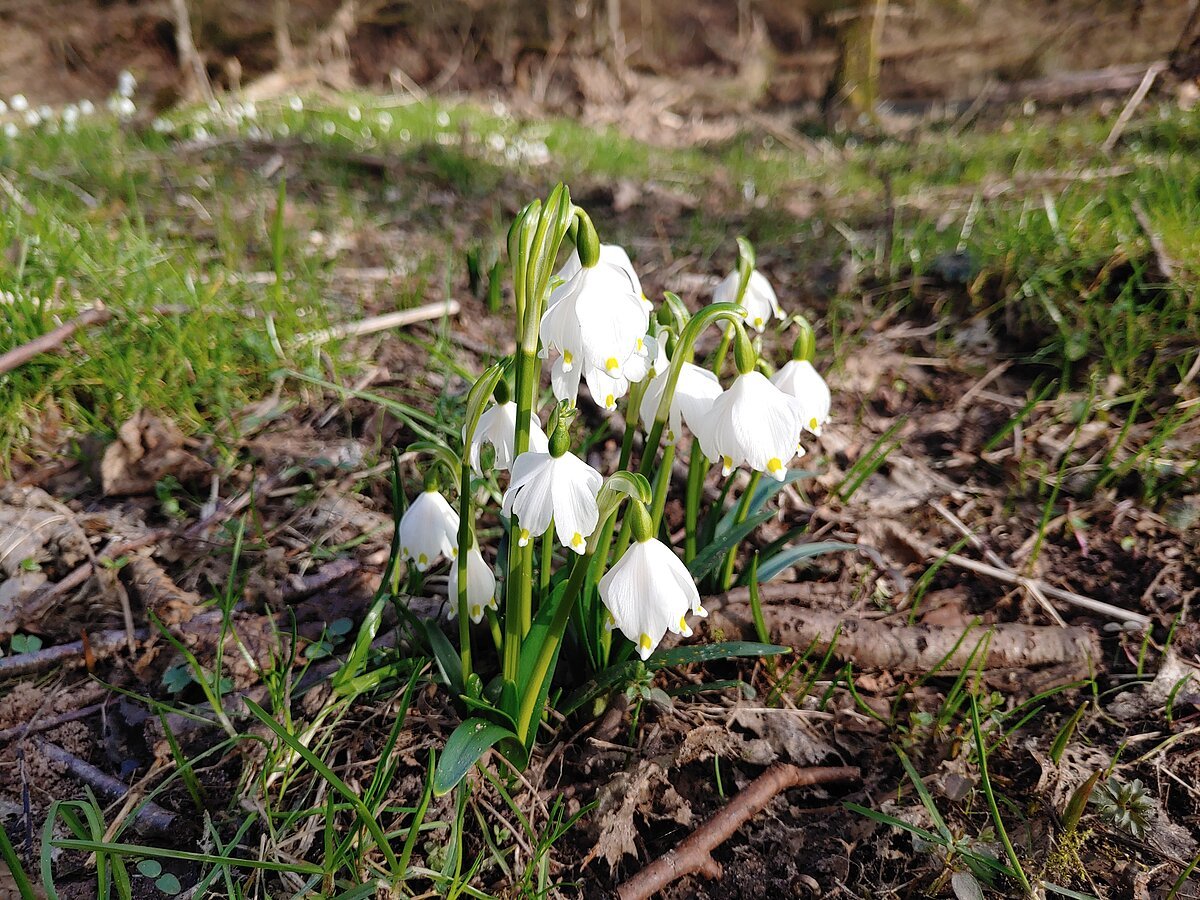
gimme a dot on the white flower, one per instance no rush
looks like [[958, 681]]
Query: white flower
[[596, 319], [606, 389], [296, 103], [649, 592], [613, 254], [752, 423], [759, 301], [498, 427], [428, 529], [481, 585], [126, 84], [695, 392], [563, 488], [87, 107], [19, 103], [801, 381]]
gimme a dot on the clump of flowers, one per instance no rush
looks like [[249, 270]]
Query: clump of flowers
[[583, 561]]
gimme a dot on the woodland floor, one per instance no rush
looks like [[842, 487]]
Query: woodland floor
[[1008, 319]]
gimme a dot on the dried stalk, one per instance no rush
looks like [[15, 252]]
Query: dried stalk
[[694, 855], [52, 340]]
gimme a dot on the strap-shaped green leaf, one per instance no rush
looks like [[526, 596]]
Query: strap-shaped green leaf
[[710, 557], [467, 744], [789, 556]]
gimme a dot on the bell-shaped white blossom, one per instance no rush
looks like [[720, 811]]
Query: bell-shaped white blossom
[[804, 384], [481, 585], [498, 427], [545, 487], [595, 320], [695, 392], [606, 389], [759, 301], [649, 592], [614, 254], [428, 529], [752, 423]]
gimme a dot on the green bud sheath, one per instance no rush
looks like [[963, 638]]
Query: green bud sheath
[[587, 242], [431, 479], [500, 393], [743, 351], [560, 438], [805, 348], [639, 519]]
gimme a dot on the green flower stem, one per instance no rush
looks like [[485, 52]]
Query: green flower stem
[[743, 509], [494, 627], [662, 485], [698, 467], [632, 420], [541, 667], [722, 351], [547, 563]]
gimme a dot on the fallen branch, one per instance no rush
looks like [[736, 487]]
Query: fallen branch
[[52, 340], [1132, 104], [149, 816], [694, 855], [909, 649], [382, 323], [36, 725], [102, 643]]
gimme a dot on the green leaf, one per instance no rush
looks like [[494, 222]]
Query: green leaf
[[696, 653], [765, 491], [1059, 747], [760, 625], [467, 744], [710, 557], [446, 657], [150, 868], [622, 673], [785, 559], [169, 884], [1078, 803]]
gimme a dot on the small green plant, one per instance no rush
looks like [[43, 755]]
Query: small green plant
[[1124, 805]]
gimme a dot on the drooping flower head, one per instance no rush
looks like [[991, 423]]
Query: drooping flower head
[[803, 383], [498, 427], [752, 423], [554, 485], [759, 300], [428, 529], [691, 403], [481, 585], [596, 321], [648, 591]]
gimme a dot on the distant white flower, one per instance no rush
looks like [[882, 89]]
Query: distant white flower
[[596, 320], [328, 126], [759, 301], [11, 130], [752, 423], [428, 529], [296, 104], [649, 592], [695, 392], [70, 113], [498, 427], [384, 120], [545, 487], [354, 113], [3, 107], [126, 83], [45, 111], [19, 103], [802, 382], [86, 107], [32, 118], [481, 586], [443, 118]]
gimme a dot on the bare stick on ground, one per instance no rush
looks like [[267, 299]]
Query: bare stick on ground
[[52, 340], [101, 644], [694, 855], [910, 649], [150, 816], [383, 323]]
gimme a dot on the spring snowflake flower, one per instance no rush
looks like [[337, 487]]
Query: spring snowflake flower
[[19, 103], [614, 254], [481, 586], [562, 488], [606, 389], [804, 384], [695, 392], [759, 301], [596, 320], [649, 592], [752, 423], [498, 427], [429, 529]]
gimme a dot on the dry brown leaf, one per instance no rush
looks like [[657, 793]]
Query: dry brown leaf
[[147, 449], [647, 791], [782, 734]]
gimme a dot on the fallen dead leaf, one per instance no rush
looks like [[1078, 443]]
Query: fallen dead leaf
[[147, 449]]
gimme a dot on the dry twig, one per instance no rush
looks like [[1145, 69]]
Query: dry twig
[[52, 340], [382, 323], [150, 816], [695, 853]]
